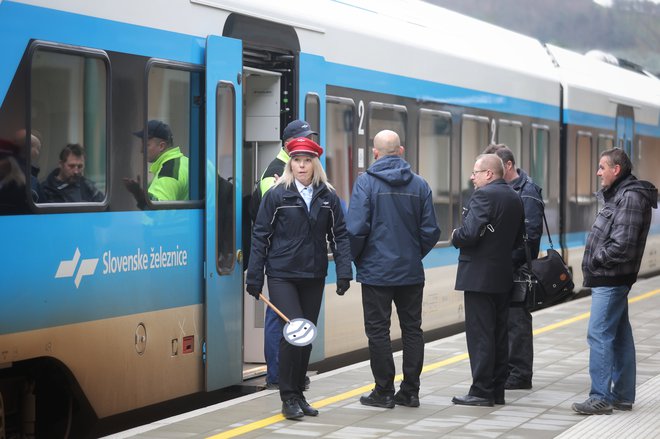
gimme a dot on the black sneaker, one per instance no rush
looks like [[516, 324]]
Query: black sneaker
[[593, 406], [406, 399], [307, 409], [622, 406], [272, 386], [291, 409], [375, 399]]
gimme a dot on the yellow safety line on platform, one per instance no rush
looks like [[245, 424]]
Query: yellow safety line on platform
[[364, 389]]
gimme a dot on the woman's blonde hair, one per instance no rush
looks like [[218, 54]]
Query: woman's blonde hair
[[318, 174]]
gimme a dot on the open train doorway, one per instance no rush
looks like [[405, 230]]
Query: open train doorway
[[268, 106]]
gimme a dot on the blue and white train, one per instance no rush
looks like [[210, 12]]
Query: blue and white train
[[106, 308]]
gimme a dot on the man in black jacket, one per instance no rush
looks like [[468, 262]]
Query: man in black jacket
[[493, 226], [67, 184], [521, 346]]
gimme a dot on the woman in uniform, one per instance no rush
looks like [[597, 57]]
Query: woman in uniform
[[298, 217]]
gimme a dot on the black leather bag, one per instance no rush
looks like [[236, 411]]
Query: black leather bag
[[540, 281], [554, 278], [523, 293]]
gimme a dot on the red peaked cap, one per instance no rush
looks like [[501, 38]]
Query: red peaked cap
[[303, 145]]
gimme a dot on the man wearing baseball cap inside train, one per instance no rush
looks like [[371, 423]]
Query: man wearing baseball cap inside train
[[168, 165]]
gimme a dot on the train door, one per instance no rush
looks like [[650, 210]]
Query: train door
[[223, 257]]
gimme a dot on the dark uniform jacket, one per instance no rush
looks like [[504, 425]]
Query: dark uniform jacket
[[615, 245], [493, 226], [391, 223], [56, 191], [291, 242]]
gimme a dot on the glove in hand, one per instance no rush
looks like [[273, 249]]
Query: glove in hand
[[343, 285], [253, 291]]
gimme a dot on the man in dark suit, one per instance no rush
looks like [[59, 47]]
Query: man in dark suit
[[493, 225]]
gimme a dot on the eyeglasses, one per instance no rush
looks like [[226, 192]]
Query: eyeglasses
[[476, 172]]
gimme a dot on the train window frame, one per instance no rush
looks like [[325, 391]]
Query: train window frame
[[354, 168], [604, 138], [517, 149], [313, 118], [580, 199], [225, 85], [451, 204], [85, 52], [198, 167], [545, 184], [396, 108], [468, 166]]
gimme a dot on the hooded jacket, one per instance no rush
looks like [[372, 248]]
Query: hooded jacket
[[615, 245], [391, 224]]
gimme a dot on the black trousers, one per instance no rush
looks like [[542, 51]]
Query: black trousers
[[521, 345], [486, 331], [296, 298], [377, 306]]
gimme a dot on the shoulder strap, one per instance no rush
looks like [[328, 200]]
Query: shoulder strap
[[547, 229]]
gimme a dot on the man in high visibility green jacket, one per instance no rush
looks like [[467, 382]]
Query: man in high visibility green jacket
[[169, 167]]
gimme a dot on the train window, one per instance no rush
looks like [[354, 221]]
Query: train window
[[435, 163], [646, 160], [509, 133], [385, 117], [539, 157], [605, 142], [584, 181], [474, 139], [225, 165], [313, 113], [174, 133], [340, 139], [69, 118]]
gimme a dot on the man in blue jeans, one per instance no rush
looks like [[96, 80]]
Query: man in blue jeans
[[612, 257]]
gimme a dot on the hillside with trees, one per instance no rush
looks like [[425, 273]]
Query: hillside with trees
[[628, 29]]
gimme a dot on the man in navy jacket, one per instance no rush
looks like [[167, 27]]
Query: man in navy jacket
[[392, 226], [493, 226]]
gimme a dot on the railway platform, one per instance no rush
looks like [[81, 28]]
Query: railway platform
[[561, 378]]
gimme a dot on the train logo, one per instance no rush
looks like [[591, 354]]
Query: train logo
[[67, 268]]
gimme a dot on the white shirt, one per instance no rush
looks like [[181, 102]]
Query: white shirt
[[306, 192]]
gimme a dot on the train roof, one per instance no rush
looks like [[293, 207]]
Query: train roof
[[410, 38], [597, 87]]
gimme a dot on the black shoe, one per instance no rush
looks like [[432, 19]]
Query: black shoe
[[272, 386], [375, 399], [307, 382], [406, 399], [307, 409], [499, 401], [517, 384], [291, 409], [472, 400], [622, 406]]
